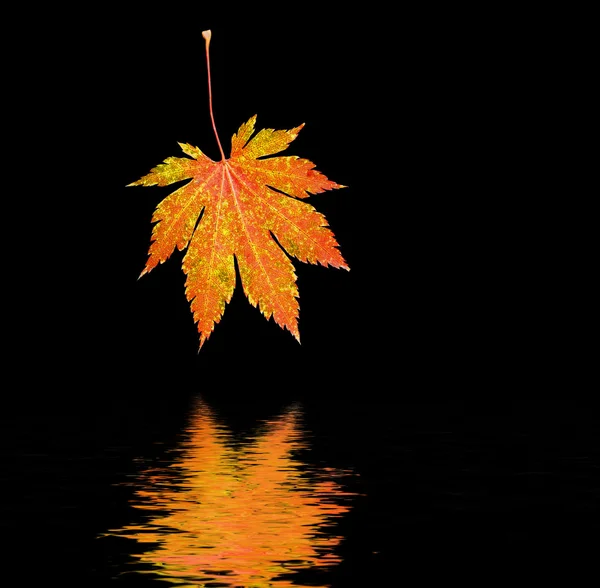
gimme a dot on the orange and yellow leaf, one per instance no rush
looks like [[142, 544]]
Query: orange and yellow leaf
[[249, 208]]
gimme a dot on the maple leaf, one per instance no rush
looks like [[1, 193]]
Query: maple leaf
[[250, 207]]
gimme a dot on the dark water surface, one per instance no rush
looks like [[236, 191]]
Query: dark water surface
[[201, 490]]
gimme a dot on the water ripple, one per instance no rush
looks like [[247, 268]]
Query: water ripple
[[225, 513]]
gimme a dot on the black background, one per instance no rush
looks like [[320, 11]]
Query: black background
[[444, 322], [404, 112]]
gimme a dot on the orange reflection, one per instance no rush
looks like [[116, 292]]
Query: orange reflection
[[240, 515]]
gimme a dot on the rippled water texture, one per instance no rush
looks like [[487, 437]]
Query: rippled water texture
[[231, 512]]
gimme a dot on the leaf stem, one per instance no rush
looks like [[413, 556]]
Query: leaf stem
[[207, 35]]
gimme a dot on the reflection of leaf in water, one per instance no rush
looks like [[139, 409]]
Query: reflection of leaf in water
[[241, 515]]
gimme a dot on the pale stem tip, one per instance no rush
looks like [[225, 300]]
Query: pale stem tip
[[207, 35]]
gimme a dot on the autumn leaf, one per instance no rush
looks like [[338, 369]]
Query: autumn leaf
[[250, 207]]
